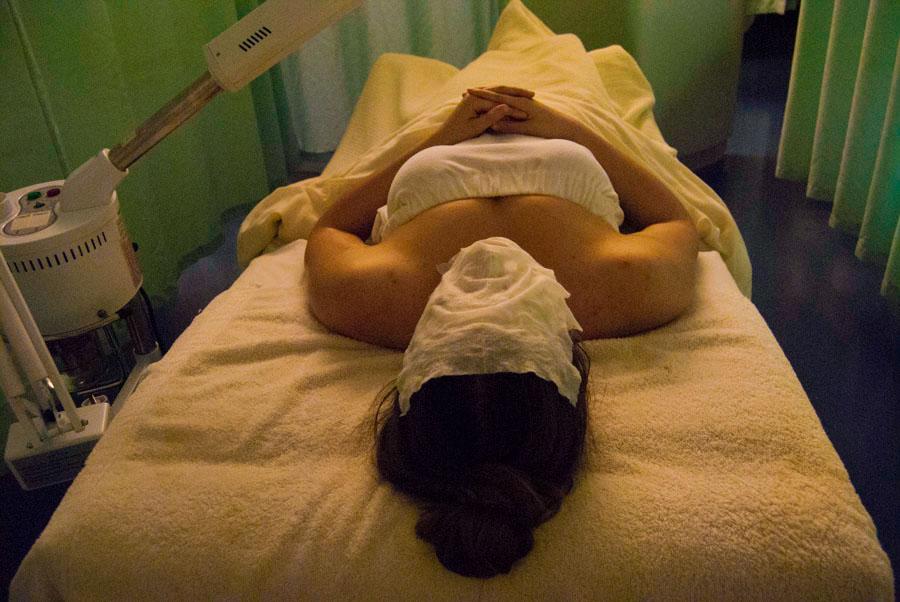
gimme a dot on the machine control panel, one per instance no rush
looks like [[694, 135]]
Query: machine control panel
[[34, 211]]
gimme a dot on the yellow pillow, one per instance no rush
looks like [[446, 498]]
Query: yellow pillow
[[407, 98]]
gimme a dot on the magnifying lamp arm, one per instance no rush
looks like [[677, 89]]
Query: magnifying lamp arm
[[235, 57]]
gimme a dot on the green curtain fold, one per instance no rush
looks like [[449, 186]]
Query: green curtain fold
[[842, 126]]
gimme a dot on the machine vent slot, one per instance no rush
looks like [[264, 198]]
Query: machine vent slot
[[95, 243], [58, 259], [255, 38], [54, 467]]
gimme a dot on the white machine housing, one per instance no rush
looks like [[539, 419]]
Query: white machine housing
[[75, 268]]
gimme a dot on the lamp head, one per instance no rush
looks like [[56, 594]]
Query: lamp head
[[267, 35]]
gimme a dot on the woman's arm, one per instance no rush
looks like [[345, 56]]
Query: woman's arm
[[655, 267], [354, 211], [667, 236], [645, 198]]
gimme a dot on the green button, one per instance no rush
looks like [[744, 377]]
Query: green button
[[34, 195]]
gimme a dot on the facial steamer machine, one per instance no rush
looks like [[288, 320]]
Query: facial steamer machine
[[68, 268]]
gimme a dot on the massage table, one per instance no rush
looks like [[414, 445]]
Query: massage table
[[242, 467]]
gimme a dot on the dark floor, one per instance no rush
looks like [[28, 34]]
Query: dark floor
[[822, 304]]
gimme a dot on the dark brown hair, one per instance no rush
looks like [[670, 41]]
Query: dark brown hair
[[487, 458]]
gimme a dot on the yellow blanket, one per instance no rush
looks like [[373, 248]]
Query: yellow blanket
[[406, 98]]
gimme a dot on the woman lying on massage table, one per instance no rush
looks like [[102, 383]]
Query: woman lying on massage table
[[486, 422]]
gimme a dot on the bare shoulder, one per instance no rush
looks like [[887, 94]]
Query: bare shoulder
[[370, 293], [636, 282]]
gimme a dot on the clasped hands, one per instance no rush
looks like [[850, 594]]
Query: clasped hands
[[503, 110]]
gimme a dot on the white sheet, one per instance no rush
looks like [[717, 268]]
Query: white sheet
[[242, 468]]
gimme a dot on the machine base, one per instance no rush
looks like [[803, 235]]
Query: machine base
[[58, 459]]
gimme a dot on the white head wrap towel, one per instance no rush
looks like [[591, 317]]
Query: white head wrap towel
[[495, 309]]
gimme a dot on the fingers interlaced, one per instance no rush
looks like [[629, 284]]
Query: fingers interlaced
[[513, 91], [517, 113], [520, 103], [510, 90], [483, 105], [507, 126]]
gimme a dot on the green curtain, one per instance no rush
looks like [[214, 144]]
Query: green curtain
[[841, 131], [80, 76], [757, 7], [316, 88]]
